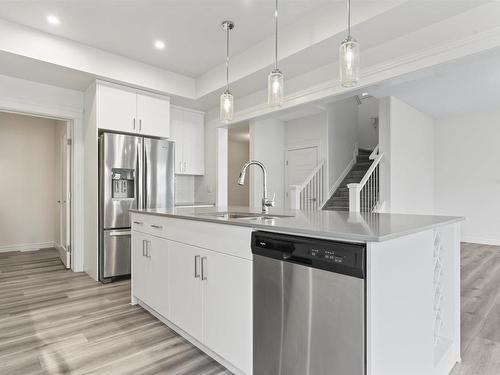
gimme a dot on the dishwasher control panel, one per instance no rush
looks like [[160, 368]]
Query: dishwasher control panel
[[341, 257], [327, 255]]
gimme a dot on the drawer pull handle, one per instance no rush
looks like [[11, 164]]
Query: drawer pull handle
[[156, 226], [196, 261], [138, 222], [203, 268]]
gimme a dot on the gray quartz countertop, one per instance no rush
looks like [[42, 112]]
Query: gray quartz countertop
[[364, 227]]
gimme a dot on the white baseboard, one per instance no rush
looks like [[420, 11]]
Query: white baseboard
[[482, 240], [27, 246]]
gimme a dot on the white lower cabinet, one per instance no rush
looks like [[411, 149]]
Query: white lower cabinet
[[184, 275], [207, 294], [140, 266], [228, 308], [149, 265]]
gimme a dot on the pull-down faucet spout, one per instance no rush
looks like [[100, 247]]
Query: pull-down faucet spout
[[266, 202]]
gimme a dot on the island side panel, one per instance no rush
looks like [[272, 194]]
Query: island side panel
[[400, 305], [447, 298]]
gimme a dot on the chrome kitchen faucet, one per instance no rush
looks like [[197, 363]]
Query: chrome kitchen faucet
[[266, 201]]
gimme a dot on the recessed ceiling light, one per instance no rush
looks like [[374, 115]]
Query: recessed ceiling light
[[159, 44], [53, 20], [364, 94]]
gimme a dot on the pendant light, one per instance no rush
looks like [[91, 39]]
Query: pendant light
[[349, 56], [275, 79], [227, 99]]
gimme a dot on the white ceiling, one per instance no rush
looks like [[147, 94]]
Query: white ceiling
[[190, 29], [464, 86]]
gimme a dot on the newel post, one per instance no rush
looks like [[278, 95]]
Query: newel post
[[294, 196], [354, 197]]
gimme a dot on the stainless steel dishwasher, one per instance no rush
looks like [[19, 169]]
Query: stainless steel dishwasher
[[309, 306]]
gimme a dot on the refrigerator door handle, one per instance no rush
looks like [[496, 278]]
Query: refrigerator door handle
[[138, 178], [145, 174]]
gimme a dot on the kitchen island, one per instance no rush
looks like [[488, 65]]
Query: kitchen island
[[193, 268]]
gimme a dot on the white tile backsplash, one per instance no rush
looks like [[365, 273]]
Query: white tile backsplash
[[184, 189]]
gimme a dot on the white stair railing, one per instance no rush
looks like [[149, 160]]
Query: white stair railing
[[365, 195], [310, 195]]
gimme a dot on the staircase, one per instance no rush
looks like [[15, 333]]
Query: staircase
[[339, 201]]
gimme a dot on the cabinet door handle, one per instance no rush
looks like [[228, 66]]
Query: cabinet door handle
[[133, 123], [196, 260], [185, 164], [180, 166], [140, 124], [148, 249], [144, 242], [156, 226], [204, 263]]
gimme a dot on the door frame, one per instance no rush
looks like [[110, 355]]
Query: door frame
[[64, 247], [298, 146], [74, 118]]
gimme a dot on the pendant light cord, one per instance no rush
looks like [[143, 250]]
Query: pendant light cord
[[348, 18], [227, 59], [276, 36]]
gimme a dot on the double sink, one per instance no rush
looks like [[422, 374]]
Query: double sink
[[245, 215]]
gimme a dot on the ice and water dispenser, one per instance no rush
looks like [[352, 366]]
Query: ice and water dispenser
[[123, 186]]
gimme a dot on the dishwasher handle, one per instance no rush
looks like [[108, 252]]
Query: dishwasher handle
[[329, 255]]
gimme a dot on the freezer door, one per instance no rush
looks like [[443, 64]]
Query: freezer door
[[158, 173], [120, 180], [116, 253]]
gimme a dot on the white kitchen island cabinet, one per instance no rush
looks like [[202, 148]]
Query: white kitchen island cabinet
[[186, 309], [149, 262], [412, 282], [203, 292]]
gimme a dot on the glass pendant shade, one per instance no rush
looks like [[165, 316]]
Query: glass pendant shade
[[275, 90], [226, 106], [349, 62]]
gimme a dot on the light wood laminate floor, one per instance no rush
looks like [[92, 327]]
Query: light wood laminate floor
[[54, 321], [480, 307]]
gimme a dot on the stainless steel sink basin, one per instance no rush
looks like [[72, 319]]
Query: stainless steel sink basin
[[244, 215]]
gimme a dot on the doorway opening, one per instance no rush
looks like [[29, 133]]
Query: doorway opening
[[35, 160], [238, 150]]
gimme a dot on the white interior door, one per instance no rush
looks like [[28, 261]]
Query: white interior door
[[64, 200], [299, 164]]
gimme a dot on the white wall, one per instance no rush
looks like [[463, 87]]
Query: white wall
[[238, 155], [267, 140], [467, 176], [342, 136], [367, 132], [308, 130], [28, 161], [410, 150]]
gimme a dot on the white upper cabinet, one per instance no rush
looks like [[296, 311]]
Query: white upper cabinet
[[131, 111], [188, 132], [116, 109], [176, 134], [154, 115]]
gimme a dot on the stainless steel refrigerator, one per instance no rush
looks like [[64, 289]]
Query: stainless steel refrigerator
[[134, 172]]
